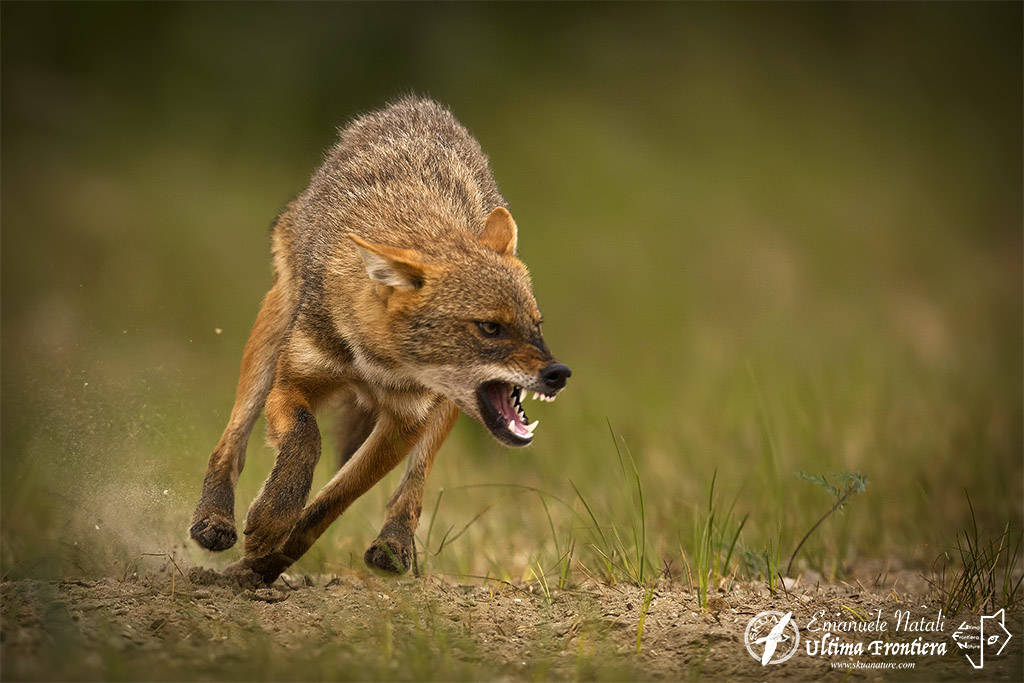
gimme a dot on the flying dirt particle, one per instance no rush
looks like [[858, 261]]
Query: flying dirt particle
[[167, 492], [217, 330]]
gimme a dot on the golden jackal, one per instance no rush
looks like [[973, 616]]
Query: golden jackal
[[397, 292]]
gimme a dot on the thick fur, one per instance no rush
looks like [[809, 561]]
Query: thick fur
[[397, 295]]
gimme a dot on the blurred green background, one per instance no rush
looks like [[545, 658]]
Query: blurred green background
[[767, 238]]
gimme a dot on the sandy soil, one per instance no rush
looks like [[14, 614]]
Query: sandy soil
[[172, 625]]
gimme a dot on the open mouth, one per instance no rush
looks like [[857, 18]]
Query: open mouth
[[501, 405]]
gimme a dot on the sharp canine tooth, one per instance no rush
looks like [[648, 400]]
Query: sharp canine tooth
[[533, 425], [511, 426], [535, 395]]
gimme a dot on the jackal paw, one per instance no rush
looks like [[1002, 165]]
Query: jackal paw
[[393, 551], [267, 526], [265, 569], [265, 539], [214, 531]]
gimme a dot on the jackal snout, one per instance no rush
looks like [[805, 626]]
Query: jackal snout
[[555, 375]]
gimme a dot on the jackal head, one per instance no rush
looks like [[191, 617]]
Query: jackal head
[[463, 322]]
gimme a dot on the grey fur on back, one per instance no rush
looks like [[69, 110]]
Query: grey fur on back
[[408, 173]]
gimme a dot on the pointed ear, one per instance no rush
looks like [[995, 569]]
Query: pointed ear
[[500, 232], [391, 266]]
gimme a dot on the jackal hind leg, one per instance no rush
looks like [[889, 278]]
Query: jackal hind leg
[[394, 549], [353, 425], [293, 431], [213, 522], [391, 440]]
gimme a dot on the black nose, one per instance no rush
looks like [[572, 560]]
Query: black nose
[[555, 375]]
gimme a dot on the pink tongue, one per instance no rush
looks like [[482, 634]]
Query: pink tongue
[[501, 401]]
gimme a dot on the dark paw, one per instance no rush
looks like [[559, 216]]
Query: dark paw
[[265, 539], [389, 555], [214, 532], [264, 569], [268, 523]]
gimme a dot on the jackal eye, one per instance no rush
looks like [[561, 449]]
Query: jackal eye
[[489, 329]]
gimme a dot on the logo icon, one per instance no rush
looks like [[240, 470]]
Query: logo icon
[[775, 634], [990, 635]]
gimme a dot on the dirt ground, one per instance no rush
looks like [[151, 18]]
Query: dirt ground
[[171, 624]]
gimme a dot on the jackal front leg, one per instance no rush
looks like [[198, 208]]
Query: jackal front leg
[[394, 550], [294, 433], [391, 440], [213, 523]]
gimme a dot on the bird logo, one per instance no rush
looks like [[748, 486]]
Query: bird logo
[[770, 630]]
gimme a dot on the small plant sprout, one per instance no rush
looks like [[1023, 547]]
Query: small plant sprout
[[771, 567], [564, 562], [542, 581], [714, 538], [597, 536], [849, 483], [625, 555], [648, 595], [639, 529]]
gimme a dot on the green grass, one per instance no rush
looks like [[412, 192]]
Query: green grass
[[772, 573], [987, 576], [715, 541], [645, 607], [761, 252]]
